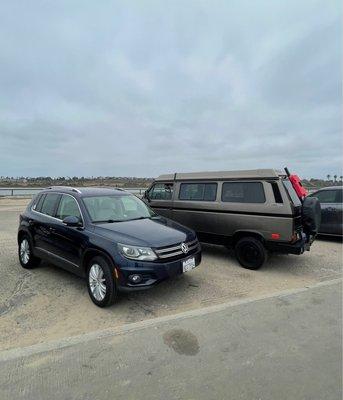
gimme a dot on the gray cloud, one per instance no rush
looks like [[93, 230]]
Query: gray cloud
[[146, 87]]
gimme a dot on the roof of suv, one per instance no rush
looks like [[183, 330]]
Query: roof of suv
[[242, 174], [87, 191], [331, 188]]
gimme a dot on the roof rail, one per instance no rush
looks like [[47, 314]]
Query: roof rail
[[65, 188]]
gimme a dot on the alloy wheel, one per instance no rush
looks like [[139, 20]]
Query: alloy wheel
[[24, 251], [97, 282]]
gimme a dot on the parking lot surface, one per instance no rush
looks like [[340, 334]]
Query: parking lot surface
[[48, 303], [282, 347]]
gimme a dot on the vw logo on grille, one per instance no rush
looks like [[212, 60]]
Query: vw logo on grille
[[184, 248]]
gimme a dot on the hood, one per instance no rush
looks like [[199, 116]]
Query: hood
[[149, 232]]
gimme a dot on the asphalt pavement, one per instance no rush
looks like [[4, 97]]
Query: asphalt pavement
[[283, 346]]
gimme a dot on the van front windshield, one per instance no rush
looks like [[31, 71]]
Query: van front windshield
[[116, 208], [292, 193]]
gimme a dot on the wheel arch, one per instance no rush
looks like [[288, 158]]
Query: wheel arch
[[247, 233], [91, 253], [23, 232]]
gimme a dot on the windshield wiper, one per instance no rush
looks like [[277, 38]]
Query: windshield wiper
[[109, 221], [134, 219]]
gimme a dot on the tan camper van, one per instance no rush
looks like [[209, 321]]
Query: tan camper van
[[255, 211]]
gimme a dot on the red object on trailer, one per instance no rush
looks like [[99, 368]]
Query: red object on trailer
[[296, 183]]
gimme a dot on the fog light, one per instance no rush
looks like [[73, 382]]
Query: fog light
[[135, 278]]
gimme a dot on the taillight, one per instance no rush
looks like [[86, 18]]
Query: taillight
[[294, 237]]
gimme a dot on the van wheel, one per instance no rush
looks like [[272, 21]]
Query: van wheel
[[101, 286], [251, 253], [26, 257]]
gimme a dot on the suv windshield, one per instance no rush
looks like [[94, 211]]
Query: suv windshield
[[116, 208], [292, 193]]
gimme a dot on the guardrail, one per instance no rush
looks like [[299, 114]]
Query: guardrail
[[29, 192]]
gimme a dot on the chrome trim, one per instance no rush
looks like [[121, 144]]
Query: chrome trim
[[57, 219], [173, 251], [177, 253], [55, 255], [178, 246], [45, 215], [168, 249]]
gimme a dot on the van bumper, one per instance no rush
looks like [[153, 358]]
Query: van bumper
[[298, 247]]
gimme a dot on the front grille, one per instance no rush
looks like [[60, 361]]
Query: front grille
[[176, 251]]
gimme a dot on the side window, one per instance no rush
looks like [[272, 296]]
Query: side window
[[243, 192], [49, 204], [67, 207], [326, 196], [37, 206], [276, 192], [161, 191], [339, 196], [198, 191]]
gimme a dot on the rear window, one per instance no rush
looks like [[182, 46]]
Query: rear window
[[49, 204], [243, 192], [292, 193], [198, 191]]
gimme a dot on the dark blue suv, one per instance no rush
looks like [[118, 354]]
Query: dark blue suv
[[108, 236]]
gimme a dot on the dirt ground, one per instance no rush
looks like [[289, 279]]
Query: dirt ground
[[48, 303]]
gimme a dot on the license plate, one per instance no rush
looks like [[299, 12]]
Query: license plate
[[188, 264]]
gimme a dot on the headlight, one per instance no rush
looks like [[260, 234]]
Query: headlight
[[137, 252]]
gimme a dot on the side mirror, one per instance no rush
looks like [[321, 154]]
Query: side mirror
[[71, 220]]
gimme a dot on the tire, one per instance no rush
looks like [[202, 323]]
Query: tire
[[251, 253], [100, 283], [311, 215], [26, 258]]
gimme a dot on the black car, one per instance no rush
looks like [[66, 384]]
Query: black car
[[108, 236], [330, 199]]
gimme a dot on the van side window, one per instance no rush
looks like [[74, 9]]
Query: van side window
[[161, 191], [198, 191], [243, 192], [276, 191]]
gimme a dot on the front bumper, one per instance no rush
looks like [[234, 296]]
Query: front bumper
[[152, 272], [297, 247]]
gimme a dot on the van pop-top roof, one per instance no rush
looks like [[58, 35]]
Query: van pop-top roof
[[223, 175]]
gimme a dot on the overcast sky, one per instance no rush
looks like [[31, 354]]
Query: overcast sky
[[140, 88]]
